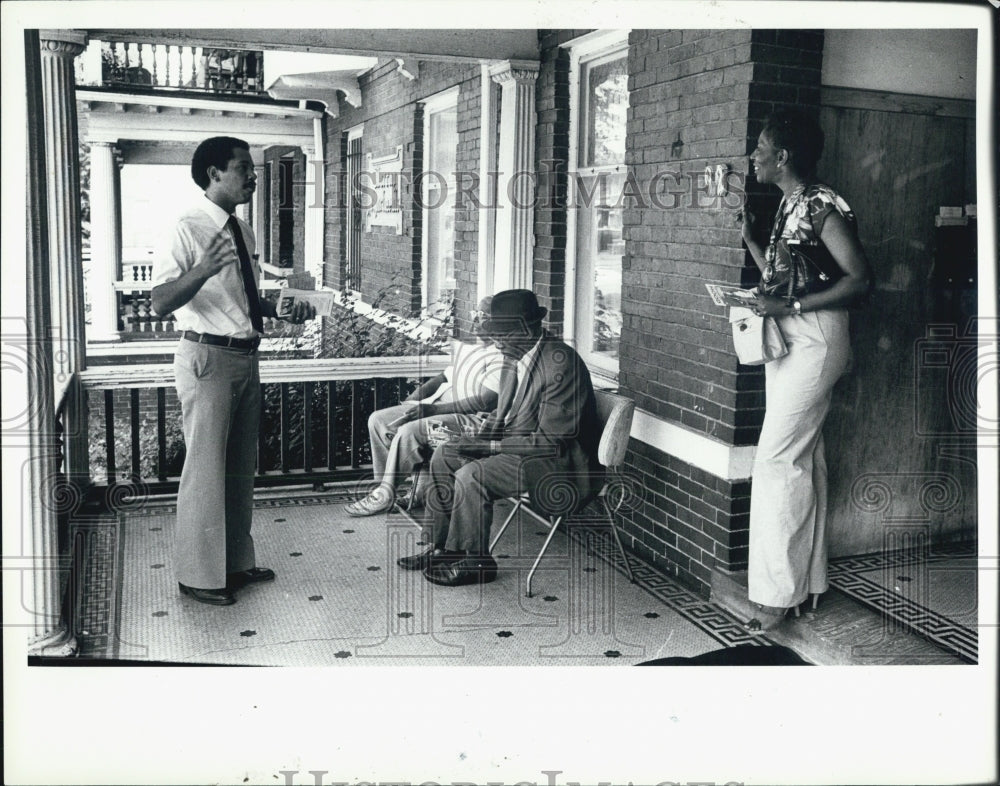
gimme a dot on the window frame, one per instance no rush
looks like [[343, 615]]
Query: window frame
[[593, 48], [446, 100], [353, 133]]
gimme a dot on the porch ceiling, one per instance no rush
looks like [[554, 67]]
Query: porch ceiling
[[117, 117], [446, 45]]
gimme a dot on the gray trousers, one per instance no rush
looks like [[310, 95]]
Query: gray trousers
[[398, 451], [219, 392], [461, 495]]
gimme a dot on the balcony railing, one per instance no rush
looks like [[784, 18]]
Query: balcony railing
[[313, 429], [173, 67], [133, 298]]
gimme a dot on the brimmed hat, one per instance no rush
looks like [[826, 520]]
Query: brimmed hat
[[513, 306]]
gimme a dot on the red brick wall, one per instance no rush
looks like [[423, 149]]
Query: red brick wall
[[391, 117], [711, 89], [688, 520]]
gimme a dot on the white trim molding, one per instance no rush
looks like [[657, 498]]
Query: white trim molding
[[729, 462]]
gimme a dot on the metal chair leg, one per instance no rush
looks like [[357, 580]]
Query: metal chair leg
[[552, 531], [407, 512], [503, 527], [618, 540]]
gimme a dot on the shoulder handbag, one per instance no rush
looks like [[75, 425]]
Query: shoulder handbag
[[758, 340], [813, 268]]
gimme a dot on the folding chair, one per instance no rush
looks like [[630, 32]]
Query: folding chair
[[615, 415]]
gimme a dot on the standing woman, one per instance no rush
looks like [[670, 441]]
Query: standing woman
[[788, 499]]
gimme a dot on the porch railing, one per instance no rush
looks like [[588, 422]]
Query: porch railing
[[174, 67], [133, 299], [313, 430]]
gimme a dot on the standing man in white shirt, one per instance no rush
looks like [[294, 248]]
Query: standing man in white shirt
[[206, 276]]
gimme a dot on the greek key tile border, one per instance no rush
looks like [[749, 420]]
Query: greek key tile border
[[845, 575]]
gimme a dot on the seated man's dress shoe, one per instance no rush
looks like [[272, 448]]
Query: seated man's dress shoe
[[235, 581], [469, 569], [215, 597], [426, 559]]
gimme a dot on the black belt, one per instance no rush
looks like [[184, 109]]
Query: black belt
[[248, 345]]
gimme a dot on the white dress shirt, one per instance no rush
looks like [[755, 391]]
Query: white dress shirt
[[474, 368], [220, 306]]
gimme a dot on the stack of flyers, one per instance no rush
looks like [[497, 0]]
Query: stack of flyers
[[723, 295], [321, 299]]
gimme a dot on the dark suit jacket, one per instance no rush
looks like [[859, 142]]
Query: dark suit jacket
[[553, 425]]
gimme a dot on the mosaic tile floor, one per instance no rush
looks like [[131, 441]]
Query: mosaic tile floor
[[932, 592], [340, 599]]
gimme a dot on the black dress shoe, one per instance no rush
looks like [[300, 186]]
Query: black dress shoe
[[424, 560], [235, 581], [215, 597], [467, 570]]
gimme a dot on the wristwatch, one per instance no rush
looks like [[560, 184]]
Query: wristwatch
[[797, 308]]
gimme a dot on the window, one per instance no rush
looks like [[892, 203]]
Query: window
[[355, 214], [598, 115], [438, 193]]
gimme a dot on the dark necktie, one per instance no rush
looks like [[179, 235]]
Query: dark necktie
[[246, 271]]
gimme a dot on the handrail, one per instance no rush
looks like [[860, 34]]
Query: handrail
[[311, 370], [313, 419]]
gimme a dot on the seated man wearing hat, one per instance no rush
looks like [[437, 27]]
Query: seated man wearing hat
[[402, 436], [542, 439]]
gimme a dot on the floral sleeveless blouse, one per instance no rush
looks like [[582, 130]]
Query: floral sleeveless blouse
[[800, 219]]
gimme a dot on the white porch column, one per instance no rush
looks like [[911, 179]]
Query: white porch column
[[39, 546], [314, 212], [487, 206], [516, 188], [105, 242], [58, 48]]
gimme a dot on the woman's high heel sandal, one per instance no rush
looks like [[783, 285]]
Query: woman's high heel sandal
[[766, 618]]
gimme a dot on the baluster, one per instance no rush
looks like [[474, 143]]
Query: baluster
[[356, 430], [285, 423], [177, 76], [307, 464], [132, 313], [331, 425], [161, 434], [109, 434], [134, 406], [261, 439], [143, 313], [155, 52], [116, 60]]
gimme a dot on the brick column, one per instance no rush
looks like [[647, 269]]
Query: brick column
[[516, 189]]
